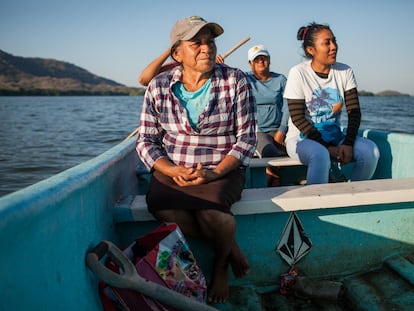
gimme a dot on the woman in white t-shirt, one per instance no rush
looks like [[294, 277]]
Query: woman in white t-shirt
[[316, 91]]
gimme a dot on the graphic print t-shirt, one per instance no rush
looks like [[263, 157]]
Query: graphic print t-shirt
[[324, 98]]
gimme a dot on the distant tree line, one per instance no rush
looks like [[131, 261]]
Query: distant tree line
[[30, 76], [383, 93], [53, 92]]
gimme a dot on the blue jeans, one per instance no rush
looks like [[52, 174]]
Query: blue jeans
[[316, 158], [266, 146]]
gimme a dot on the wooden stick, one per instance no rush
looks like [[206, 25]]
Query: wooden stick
[[134, 132], [236, 47]]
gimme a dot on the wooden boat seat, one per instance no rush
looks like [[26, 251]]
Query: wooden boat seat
[[274, 161], [291, 171], [293, 198]]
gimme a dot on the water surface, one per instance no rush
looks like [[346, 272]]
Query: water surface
[[41, 136]]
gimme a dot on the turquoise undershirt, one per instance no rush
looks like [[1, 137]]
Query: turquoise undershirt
[[193, 102]]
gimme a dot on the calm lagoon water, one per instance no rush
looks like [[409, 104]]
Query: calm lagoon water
[[41, 136]]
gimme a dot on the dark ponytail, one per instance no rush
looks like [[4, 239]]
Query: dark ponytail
[[307, 34]]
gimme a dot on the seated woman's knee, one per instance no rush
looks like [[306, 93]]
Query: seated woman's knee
[[164, 215], [214, 216], [321, 155], [366, 151]]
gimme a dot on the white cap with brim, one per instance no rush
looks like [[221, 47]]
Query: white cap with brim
[[187, 28], [256, 51]]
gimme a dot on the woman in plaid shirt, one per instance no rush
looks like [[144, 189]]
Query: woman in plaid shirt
[[197, 133]]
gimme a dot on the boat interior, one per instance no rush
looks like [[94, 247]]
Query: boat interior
[[361, 233]]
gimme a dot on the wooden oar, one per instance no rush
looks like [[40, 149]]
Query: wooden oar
[[129, 278], [236, 47], [134, 132]]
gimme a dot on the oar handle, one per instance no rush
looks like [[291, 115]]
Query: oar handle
[[132, 134], [236, 47], [129, 278], [128, 274]]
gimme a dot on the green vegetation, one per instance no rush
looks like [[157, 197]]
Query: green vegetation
[[52, 92], [49, 77], [391, 93], [365, 93], [383, 93]]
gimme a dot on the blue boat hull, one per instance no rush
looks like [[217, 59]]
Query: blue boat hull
[[48, 228]]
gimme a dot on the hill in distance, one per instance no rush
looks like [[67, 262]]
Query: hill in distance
[[40, 76], [383, 93]]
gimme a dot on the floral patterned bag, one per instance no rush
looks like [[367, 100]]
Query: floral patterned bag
[[164, 257]]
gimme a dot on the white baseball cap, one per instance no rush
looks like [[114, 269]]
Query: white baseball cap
[[256, 51]]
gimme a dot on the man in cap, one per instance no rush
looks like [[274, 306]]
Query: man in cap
[[197, 133]]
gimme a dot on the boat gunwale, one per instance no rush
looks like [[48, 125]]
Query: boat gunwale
[[34, 199]]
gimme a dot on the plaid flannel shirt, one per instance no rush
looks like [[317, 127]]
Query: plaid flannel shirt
[[227, 126]]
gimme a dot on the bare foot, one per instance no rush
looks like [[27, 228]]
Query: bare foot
[[218, 292], [239, 263]]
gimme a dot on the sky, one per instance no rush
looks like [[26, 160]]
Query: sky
[[117, 39]]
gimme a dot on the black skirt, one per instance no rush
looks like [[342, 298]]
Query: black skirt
[[163, 193]]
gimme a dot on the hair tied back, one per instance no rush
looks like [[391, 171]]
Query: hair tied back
[[305, 31]]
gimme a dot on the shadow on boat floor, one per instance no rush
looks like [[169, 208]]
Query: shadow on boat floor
[[390, 287]]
